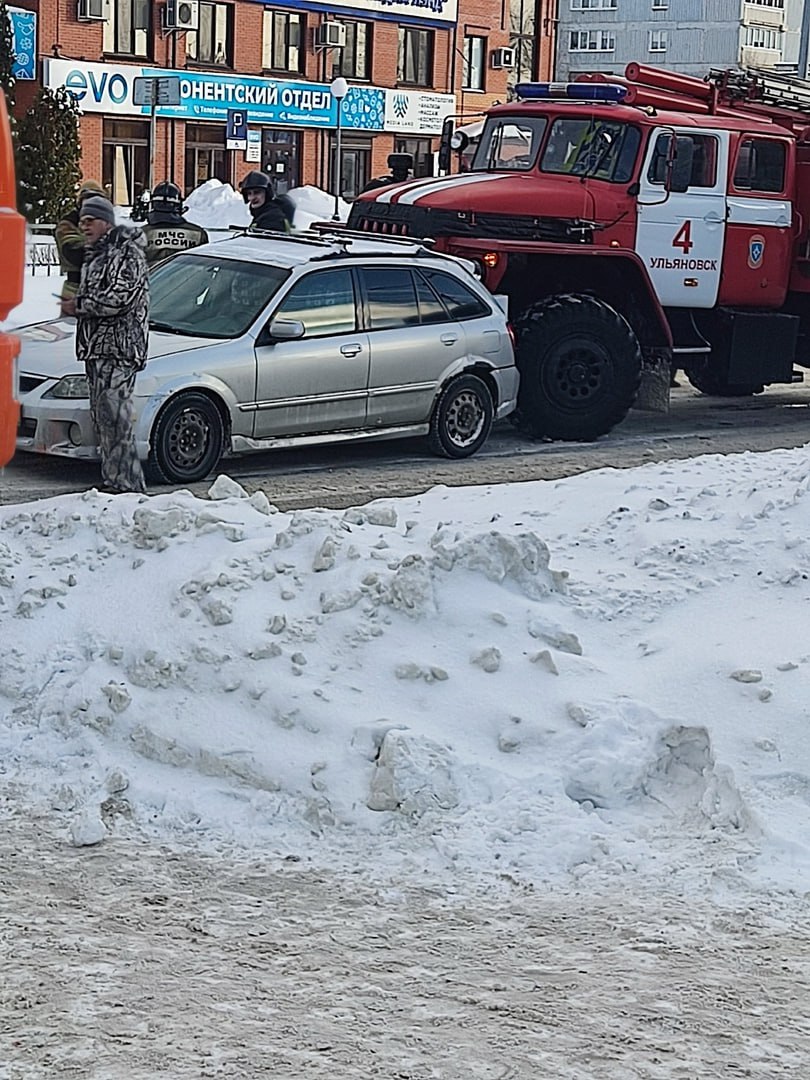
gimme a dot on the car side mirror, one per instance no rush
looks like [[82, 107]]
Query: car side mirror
[[282, 330]]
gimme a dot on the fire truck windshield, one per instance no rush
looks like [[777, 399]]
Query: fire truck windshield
[[509, 144], [602, 149]]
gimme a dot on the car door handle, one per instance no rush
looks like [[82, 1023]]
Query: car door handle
[[351, 350], [449, 339]]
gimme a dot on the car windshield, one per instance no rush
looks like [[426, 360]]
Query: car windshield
[[208, 296], [582, 146], [509, 144]]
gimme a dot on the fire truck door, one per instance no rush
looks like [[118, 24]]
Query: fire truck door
[[680, 235]]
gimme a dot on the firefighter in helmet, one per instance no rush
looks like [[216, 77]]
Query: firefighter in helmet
[[401, 166], [166, 230], [268, 210]]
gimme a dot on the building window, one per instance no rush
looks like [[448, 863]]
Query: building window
[[421, 150], [523, 38], [354, 60], [660, 5], [767, 3], [593, 5], [283, 34], [125, 159], [415, 65], [213, 42], [473, 75], [658, 41], [592, 41], [763, 37], [126, 31], [281, 157], [205, 155]]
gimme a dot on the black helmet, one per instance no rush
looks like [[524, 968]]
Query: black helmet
[[253, 181], [167, 196]]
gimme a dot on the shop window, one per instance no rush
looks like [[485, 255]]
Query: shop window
[[125, 159], [281, 157], [415, 64], [354, 61], [283, 37], [355, 168], [205, 155], [126, 31], [421, 150], [474, 68], [213, 42]]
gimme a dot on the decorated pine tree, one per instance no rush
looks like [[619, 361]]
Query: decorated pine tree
[[6, 55], [48, 155]]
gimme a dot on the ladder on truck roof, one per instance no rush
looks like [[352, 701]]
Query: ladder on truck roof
[[764, 86]]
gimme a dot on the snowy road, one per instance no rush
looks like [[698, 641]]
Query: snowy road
[[344, 476], [127, 961]]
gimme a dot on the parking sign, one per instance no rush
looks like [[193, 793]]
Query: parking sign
[[236, 130]]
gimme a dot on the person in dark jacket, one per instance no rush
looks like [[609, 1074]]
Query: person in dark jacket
[[112, 315], [70, 239], [401, 166], [166, 230], [269, 211]]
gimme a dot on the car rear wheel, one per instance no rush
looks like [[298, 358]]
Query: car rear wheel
[[187, 440], [462, 418]]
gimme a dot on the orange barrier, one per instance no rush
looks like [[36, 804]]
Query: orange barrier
[[12, 268]]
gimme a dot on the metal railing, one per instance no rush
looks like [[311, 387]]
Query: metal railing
[[41, 249]]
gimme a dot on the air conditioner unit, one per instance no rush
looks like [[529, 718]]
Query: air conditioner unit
[[182, 15], [92, 10], [330, 35], [503, 58]]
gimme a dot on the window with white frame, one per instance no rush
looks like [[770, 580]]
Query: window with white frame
[[767, 3], [475, 63], [660, 5], [592, 41], [763, 37], [283, 34], [658, 41], [593, 5]]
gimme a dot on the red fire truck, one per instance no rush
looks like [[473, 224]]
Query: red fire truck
[[12, 264], [634, 223]]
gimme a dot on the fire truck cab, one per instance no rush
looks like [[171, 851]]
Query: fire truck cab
[[12, 245], [633, 222]]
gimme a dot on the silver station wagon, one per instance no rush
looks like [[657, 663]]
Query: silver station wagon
[[261, 342]]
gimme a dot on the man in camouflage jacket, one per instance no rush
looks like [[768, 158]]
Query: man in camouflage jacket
[[70, 240], [112, 313]]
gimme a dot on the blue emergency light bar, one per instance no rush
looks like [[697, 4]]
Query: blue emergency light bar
[[579, 91]]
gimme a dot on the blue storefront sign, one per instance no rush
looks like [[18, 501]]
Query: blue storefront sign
[[209, 96], [24, 35]]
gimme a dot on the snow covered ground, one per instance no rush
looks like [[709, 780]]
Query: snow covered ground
[[492, 782]]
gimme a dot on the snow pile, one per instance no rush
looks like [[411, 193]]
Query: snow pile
[[596, 677], [215, 205]]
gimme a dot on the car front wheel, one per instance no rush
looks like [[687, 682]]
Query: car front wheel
[[187, 440], [462, 418]]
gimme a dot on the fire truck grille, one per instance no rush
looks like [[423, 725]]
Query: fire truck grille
[[394, 219]]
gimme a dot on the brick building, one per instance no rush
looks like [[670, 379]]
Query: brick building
[[408, 63]]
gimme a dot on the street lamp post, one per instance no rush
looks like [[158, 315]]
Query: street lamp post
[[340, 89]]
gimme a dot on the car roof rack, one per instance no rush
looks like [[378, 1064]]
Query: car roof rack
[[339, 230]]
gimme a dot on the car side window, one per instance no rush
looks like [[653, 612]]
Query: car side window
[[461, 302], [391, 299], [760, 166], [431, 309], [323, 301]]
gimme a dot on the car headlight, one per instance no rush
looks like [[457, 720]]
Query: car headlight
[[71, 386]]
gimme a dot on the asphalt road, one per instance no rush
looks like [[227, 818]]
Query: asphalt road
[[347, 475]]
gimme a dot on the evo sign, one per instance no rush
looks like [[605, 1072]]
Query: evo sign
[[209, 96]]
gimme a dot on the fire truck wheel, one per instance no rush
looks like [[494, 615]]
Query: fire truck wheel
[[710, 381], [580, 368], [187, 440], [462, 418]]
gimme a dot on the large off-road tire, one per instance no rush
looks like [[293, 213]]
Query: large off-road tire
[[462, 417], [580, 368], [713, 383], [187, 440]]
